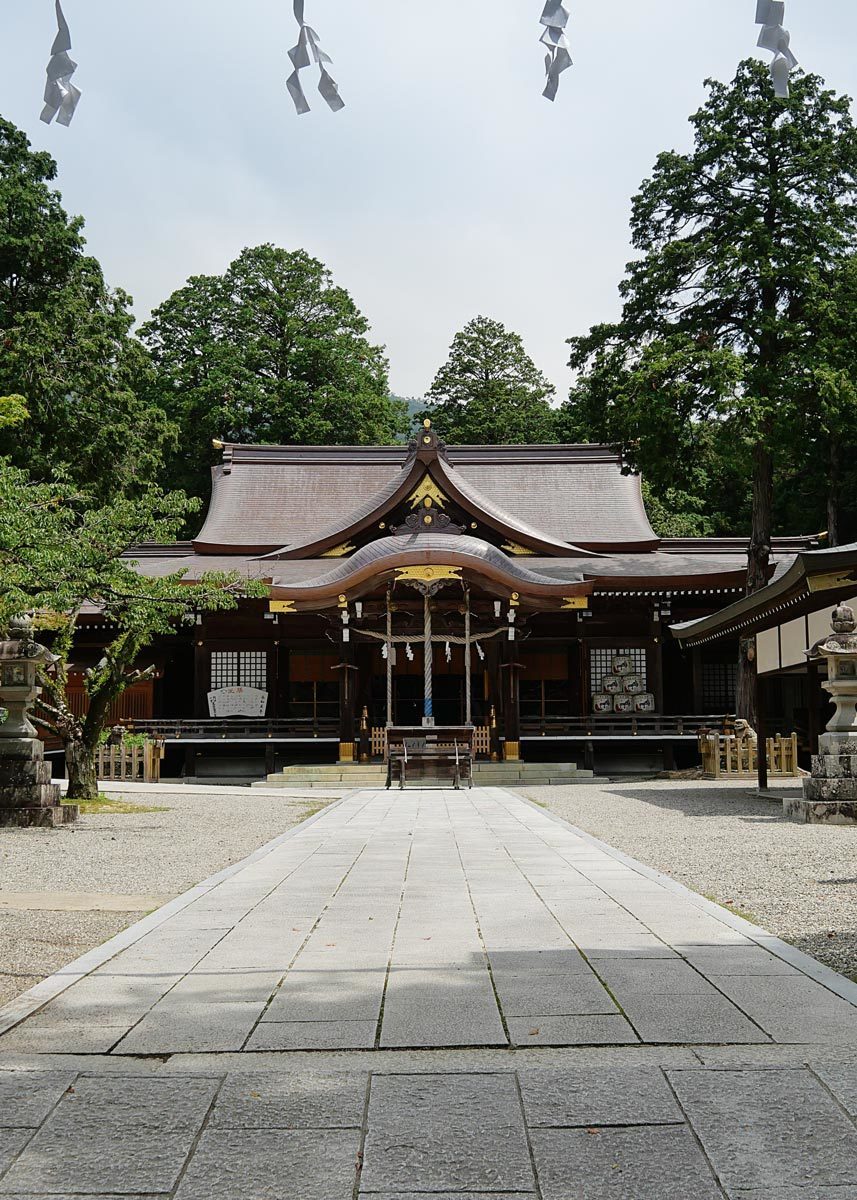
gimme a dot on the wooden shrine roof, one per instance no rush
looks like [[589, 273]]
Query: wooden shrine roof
[[566, 498]]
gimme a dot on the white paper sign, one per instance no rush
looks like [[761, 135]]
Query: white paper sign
[[237, 702]]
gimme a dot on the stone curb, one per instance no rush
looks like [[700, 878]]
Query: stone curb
[[29, 1002], [828, 978]]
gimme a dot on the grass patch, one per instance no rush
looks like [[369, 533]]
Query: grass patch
[[110, 805], [734, 909]]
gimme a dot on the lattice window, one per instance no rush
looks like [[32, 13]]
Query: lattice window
[[601, 664], [719, 686], [239, 668]]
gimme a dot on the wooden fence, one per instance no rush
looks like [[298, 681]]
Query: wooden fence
[[725, 756], [136, 764]]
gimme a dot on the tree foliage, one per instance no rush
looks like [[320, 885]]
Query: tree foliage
[[489, 391], [736, 242], [271, 351], [65, 344], [59, 555]]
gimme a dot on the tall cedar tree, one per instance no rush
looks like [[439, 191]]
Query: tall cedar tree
[[60, 553], [270, 352], [489, 391], [65, 344], [719, 320]]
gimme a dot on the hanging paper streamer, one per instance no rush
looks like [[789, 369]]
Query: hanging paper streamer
[[770, 14], [61, 96], [558, 58], [304, 54]]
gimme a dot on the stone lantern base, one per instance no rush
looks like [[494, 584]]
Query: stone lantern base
[[27, 796], [830, 796]]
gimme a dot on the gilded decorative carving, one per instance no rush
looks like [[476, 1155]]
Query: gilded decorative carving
[[514, 548], [575, 603], [427, 489], [281, 606], [433, 574], [339, 551]]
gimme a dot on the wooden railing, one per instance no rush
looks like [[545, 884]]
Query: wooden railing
[[243, 729], [138, 764], [617, 728], [725, 755]]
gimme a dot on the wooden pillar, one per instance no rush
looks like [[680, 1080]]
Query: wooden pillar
[[762, 731], [814, 696], [347, 703], [657, 654], [512, 703], [202, 678]]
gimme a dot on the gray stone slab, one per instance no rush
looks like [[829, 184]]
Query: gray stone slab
[[110, 999], [687, 1020], [11, 1141], [571, 1031], [313, 1035], [793, 1009], [441, 1008], [89, 1196], [796, 1193], [524, 994], [451, 1161], [562, 960], [291, 1100], [116, 1160], [446, 1195], [602, 1096], [26, 1097], [328, 996], [654, 977], [42, 1034], [841, 1078], [192, 1029], [654, 1163], [736, 960], [769, 1128], [415, 1102], [96, 1103], [272, 1164]]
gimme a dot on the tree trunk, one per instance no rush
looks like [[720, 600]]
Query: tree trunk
[[758, 567], [82, 771], [833, 494]]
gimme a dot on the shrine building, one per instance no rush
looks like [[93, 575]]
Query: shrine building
[[520, 590]]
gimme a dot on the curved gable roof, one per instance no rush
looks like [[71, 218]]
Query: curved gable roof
[[567, 499]]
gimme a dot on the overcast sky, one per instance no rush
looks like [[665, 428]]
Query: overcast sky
[[446, 188]]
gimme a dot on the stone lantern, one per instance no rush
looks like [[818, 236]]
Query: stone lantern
[[27, 796], [830, 795]]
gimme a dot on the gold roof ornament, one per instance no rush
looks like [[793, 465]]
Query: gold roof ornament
[[433, 574], [575, 603], [339, 551], [516, 549], [427, 489]]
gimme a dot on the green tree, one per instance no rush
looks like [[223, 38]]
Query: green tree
[[718, 320], [273, 352], [65, 338], [830, 376], [489, 391], [60, 553]]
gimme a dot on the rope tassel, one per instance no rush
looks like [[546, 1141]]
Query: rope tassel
[[304, 54], [61, 96], [558, 57], [770, 14]]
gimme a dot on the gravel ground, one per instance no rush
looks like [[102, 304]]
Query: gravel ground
[[157, 853], [798, 881]]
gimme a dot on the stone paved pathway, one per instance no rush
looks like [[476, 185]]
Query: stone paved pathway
[[437, 994]]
